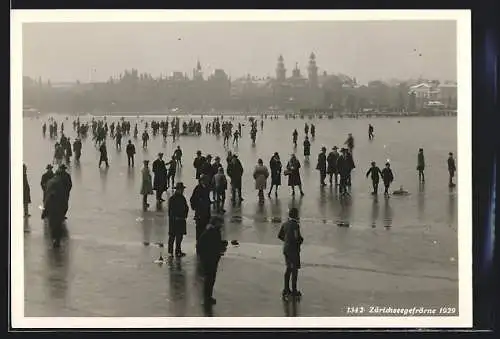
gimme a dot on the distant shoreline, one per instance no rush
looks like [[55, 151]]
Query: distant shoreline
[[251, 114]]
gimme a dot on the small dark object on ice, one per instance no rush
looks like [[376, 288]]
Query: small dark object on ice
[[235, 243]]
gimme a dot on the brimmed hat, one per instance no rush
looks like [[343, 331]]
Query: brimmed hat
[[146, 161], [179, 185], [62, 166], [198, 152], [49, 166], [217, 158], [323, 148], [335, 147], [160, 154]]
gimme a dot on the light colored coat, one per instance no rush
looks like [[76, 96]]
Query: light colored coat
[[260, 174], [147, 182]]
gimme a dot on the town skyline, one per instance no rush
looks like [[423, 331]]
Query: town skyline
[[364, 50]]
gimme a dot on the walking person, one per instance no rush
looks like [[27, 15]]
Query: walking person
[[387, 177], [275, 166], [54, 208], [104, 155], [220, 185], [452, 168], [235, 172], [178, 156], [145, 139], [295, 135], [260, 174], [160, 178], [178, 210], [26, 192], [332, 169], [67, 185], [172, 170], [292, 240], [49, 174], [421, 165], [321, 166], [130, 153], [146, 185], [209, 247], [307, 148], [197, 163], [292, 170], [375, 176], [77, 148], [343, 170]]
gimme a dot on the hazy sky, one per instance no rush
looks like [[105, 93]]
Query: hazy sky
[[367, 50]]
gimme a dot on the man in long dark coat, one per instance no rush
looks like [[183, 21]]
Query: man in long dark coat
[[54, 207], [200, 203], [160, 179], [210, 248], [45, 179], [332, 165], [67, 185], [321, 166], [197, 162], [235, 172], [177, 214]]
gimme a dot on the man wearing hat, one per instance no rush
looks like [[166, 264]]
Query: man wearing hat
[[45, 179], [235, 172], [210, 248], [200, 203], [321, 166], [343, 170], [197, 163], [67, 184], [375, 176], [177, 214], [160, 178], [332, 165]]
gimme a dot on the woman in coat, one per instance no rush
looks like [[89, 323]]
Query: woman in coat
[[275, 167], [307, 148], [292, 170], [26, 191], [260, 174], [147, 185]]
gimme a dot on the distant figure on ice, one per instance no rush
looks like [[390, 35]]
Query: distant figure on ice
[[236, 136], [145, 138], [275, 166], [370, 132], [178, 156], [332, 170], [260, 175], [375, 176], [307, 148], [295, 135], [292, 170], [451, 169], [49, 174], [146, 185], [210, 248], [172, 170], [26, 192], [313, 131], [136, 132], [178, 210], [130, 153], [104, 155], [421, 165], [387, 177], [77, 148], [292, 239], [321, 166], [44, 129], [160, 178], [306, 129]]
